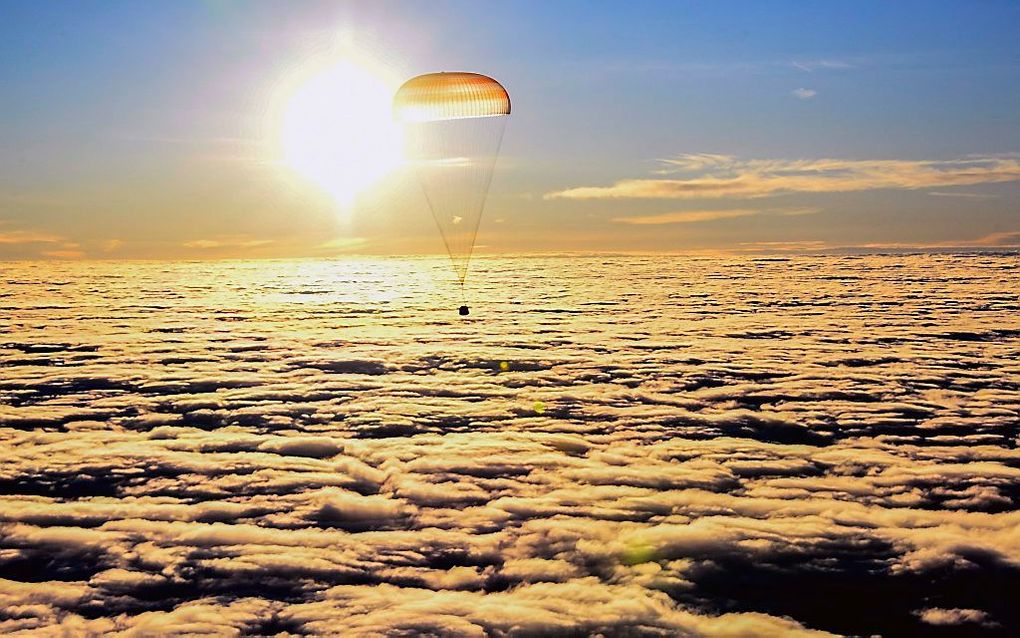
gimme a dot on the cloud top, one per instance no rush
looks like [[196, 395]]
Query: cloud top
[[628, 445]]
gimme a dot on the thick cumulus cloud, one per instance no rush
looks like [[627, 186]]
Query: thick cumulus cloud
[[624, 446]]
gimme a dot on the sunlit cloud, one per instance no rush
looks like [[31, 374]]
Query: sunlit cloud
[[205, 244], [993, 241], [695, 216], [783, 246], [717, 176], [803, 94], [28, 237], [48, 245], [1009, 238], [342, 244], [938, 616], [297, 440], [686, 217], [961, 195], [693, 162], [65, 253], [111, 245]]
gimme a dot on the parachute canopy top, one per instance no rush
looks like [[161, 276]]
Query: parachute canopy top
[[450, 96], [453, 126]]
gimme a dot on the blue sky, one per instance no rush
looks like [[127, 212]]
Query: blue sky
[[117, 114]]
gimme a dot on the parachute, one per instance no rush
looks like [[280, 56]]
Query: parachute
[[453, 127]]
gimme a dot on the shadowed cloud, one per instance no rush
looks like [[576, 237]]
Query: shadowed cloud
[[310, 448]]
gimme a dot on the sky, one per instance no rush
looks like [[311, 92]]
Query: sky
[[135, 130]]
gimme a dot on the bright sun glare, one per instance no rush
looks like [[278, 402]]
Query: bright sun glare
[[337, 127]]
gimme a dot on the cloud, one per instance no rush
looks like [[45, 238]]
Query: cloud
[[961, 195], [577, 607], [67, 253], [29, 237], [1004, 239], [686, 217], [721, 176], [730, 68], [111, 245], [992, 241], [47, 244], [820, 64], [938, 616], [206, 244], [751, 454], [795, 246], [342, 244], [694, 162], [696, 216], [803, 94]]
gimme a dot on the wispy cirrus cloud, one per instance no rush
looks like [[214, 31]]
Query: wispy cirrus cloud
[[47, 244], [70, 250], [28, 237], [1004, 239], [686, 217], [1007, 240], [821, 65], [111, 245], [730, 67], [209, 244], [803, 94], [961, 195], [707, 176], [342, 244], [784, 246], [696, 216]]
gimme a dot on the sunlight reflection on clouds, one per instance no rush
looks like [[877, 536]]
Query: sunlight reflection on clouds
[[656, 445]]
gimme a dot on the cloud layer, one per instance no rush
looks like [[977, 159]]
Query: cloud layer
[[638, 446]]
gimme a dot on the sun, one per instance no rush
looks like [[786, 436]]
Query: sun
[[336, 126]]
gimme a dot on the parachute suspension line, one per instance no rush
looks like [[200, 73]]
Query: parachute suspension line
[[446, 242], [501, 129], [454, 124], [461, 275], [488, 183], [455, 161]]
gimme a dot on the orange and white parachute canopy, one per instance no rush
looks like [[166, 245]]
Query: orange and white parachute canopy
[[450, 96]]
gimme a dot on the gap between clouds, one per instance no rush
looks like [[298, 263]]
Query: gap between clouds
[[708, 176]]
